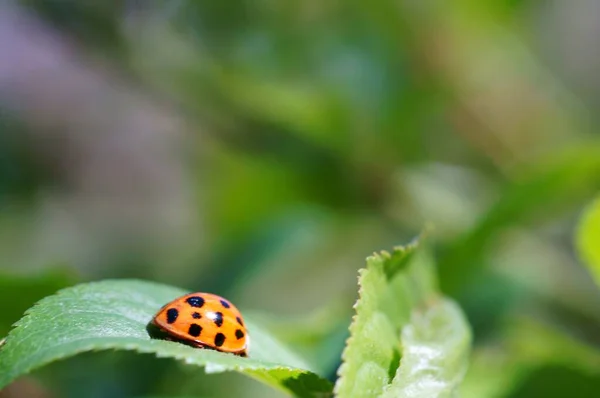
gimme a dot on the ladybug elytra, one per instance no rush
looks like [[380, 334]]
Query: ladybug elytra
[[205, 320]]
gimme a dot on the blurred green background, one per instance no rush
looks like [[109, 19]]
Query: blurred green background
[[262, 149]]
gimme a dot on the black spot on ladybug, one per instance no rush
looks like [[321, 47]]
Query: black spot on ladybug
[[225, 304], [196, 315], [219, 339], [172, 315], [218, 319], [195, 330], [237, 318], [195, 301], [239, 334]]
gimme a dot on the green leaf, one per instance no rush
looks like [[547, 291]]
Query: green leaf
[[114, 314], [435, 348], [398, 294], [588, 238], [373, 347]]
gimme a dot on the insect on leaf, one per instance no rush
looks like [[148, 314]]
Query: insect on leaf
[[114, 314]]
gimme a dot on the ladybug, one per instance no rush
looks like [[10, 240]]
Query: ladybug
[[205, 320]]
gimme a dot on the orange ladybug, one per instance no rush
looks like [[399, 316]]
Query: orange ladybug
[[205, 320]]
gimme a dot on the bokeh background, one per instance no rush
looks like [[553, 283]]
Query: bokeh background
[[262, 149]]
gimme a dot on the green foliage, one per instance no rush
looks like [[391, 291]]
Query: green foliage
[[399, 312], [114, 314], [435, 353], [559, 182], [529, 345], [398, 294], [302, 135], [588, 238]]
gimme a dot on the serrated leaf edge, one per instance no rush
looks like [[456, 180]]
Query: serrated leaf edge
[[382, 255]]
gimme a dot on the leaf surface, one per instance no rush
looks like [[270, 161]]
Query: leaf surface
[[114, 314], [435, 353], [399, 313]]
